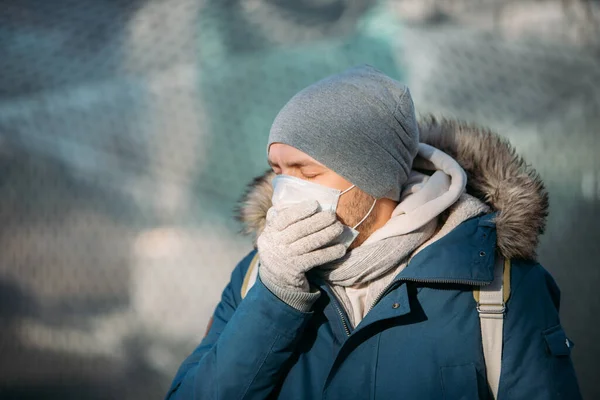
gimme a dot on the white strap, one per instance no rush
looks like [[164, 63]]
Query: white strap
[[491, 316], [250, 277]]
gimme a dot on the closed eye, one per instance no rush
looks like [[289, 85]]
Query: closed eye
[[309, 177]]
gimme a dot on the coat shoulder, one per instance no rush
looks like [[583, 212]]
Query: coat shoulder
[[527, 275], [533, 291]]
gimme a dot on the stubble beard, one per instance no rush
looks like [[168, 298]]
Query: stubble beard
[[355, 210]]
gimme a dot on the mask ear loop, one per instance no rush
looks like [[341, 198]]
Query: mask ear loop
[[347, 190], [366, 216]]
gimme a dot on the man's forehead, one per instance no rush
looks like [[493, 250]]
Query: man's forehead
[[283, 154]]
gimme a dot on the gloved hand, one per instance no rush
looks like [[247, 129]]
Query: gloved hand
[[292, 244]]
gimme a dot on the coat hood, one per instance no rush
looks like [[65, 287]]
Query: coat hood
[[496, 175]]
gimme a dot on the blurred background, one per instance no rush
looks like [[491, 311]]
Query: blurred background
[[129, 129]]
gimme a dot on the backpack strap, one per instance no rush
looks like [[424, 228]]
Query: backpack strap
[[250, 277], [491, 305]]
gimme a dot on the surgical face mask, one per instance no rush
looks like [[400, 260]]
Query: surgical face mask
[[289, 190]]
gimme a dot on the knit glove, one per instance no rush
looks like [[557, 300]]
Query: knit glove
[[291, 244]]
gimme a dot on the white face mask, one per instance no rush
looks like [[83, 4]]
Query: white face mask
[[289, 190]]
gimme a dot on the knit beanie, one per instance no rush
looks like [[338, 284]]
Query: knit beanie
[[360, 123]]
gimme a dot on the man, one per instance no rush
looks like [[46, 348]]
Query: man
[[373, 234]]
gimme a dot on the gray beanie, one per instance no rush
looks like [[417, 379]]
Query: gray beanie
[[360, 123]]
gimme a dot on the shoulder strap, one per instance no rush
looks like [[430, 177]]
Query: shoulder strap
[[251, 275], [491, 301]]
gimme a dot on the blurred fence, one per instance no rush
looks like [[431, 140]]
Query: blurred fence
[[128, 130]]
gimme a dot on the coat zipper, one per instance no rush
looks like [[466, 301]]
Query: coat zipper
[[458, 281], [335, 302], [343, 319]]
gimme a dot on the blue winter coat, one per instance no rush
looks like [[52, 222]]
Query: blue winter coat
[[422, 340]]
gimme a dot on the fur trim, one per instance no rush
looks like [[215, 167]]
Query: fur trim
[[496, 175], [253, 207]]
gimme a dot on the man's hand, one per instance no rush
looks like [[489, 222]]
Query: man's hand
[[293, 242]]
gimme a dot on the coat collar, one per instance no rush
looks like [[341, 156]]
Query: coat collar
[[464, 256]]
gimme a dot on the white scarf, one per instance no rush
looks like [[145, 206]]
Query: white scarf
[[364, 271]]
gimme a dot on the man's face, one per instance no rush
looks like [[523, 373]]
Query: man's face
[[353, 205]]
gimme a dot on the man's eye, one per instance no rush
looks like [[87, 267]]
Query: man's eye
[[309, 177]]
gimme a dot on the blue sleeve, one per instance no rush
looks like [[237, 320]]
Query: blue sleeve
[[536, 359], [245, 348]]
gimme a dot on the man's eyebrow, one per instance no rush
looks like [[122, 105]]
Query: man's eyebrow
[[293, 164]]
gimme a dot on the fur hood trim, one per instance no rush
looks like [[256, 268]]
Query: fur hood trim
[[496, 175]]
